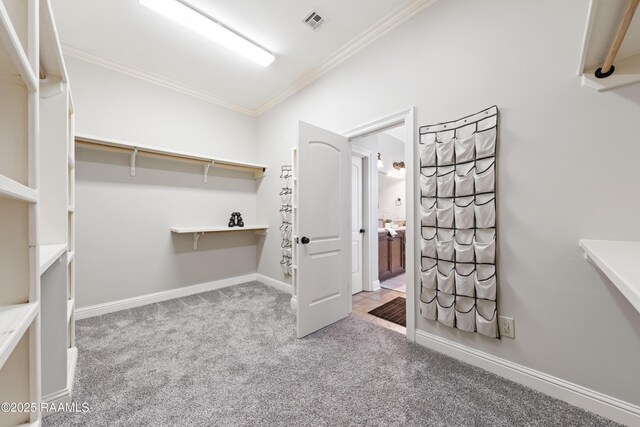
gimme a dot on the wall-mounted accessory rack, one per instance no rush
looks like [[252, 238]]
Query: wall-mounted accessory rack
[[286, 213], [458, 223], [259, 230], [135, 150]]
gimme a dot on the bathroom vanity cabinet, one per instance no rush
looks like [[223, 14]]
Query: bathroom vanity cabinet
[[391, 254]]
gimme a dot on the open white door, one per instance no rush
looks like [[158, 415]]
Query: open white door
[[357, 230], [324, 229]]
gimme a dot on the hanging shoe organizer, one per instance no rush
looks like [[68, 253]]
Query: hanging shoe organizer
[[458, 215], [286, 213]]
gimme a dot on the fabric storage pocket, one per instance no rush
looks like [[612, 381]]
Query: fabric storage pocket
[[486, 288], [486, 318], [485, 252], [429, 278], [465, 284], [446, 309], [485, 211], [428, 182], [428, 304], [465, 314], [444, 152], [445, 181], [464, 180], [445, 213], [485, 178], [465, 149], [486, 143], [464, 213], [428, 150], [464, 253], [428, 214], [445, 249], [429, 248], [446, 282]]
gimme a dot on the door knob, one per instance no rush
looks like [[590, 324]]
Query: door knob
[[304, 240], [362, 231]]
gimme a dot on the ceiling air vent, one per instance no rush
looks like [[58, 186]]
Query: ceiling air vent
[[313, 20]]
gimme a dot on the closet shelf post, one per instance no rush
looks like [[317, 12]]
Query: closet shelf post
[[133, 161]]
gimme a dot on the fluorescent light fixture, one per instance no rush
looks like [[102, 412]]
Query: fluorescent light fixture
[[202, 24]]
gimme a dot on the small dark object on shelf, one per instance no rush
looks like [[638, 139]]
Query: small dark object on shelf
[[236, 220]]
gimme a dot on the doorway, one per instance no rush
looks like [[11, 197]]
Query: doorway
[[383, 299], [323, 231]]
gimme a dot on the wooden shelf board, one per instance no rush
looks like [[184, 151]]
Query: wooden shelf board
[[627, 72], [70, 256], [618, 260], [260, 230], [51, 58], [14, 321], [13, 48], [207, 229], [50, 254], [14, 190], [89, 141]]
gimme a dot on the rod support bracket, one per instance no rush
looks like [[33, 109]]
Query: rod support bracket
[[206, 170], [196, 237], [134, 153], [600, 75]]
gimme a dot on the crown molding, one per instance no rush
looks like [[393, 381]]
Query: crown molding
[[383, 26], [156, 79]]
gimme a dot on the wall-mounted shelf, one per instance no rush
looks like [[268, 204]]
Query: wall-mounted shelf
[[70, 256], [14, 321], [14, 190], [50, 254], [620, 262], [135, 150], [260, 230]]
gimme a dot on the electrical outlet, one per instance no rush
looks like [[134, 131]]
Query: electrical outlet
[[506, 327]]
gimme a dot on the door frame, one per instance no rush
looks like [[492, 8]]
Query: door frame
[[404, 117], [368, 284]]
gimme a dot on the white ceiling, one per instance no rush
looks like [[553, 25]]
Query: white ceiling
[[130, 37]]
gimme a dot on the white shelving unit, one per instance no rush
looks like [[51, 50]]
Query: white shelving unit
[[19, 200], [260, 230], [55, 218], [620, 262]]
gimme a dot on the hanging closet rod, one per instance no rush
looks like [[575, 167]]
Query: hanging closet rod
[[135, 150], [607, 68]]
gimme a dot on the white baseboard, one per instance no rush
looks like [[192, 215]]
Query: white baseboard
[[574, 394], [274, 283], [376, 285], [55, 399], [124, 304]]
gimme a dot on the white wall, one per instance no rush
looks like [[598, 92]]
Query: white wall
[[567, 168], [124, 247]]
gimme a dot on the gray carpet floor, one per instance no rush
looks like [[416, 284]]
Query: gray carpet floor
[[231, 358]]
